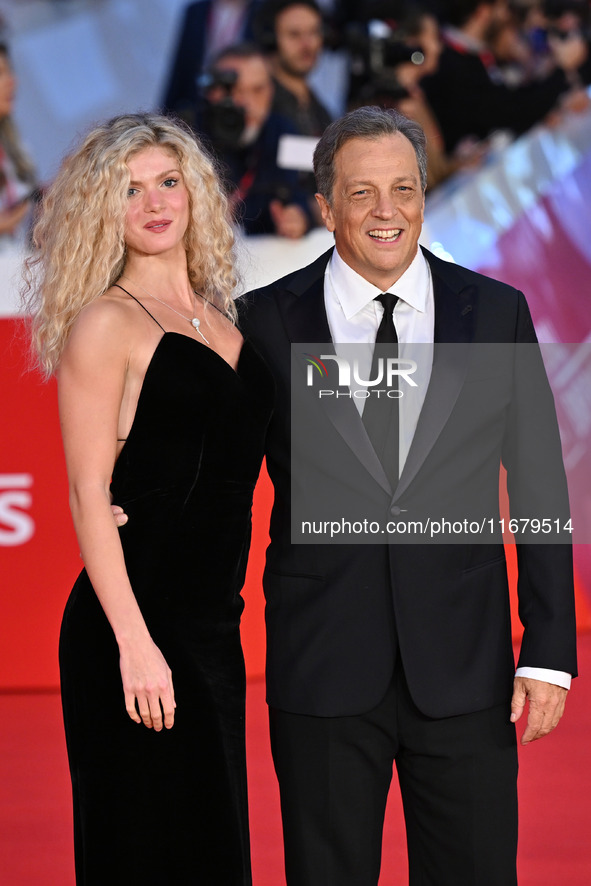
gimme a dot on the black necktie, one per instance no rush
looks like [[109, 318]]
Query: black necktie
[[380, 413]]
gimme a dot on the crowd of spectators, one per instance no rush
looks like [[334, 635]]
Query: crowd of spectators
[[464, 69], [240, 70]]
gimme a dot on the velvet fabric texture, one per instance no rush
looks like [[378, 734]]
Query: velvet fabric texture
[[171, 807]]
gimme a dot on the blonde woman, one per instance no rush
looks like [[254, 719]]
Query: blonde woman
[[163, 407]]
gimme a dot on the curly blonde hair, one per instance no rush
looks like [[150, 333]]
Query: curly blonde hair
[[79, 236]]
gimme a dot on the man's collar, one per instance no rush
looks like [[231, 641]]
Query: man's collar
[[354, 292]]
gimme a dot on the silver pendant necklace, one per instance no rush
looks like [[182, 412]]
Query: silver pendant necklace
[[194, 321]]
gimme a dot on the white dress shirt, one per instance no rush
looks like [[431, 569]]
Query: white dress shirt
[[353, 319]]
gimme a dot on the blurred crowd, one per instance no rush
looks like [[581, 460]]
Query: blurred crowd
[[474, 73], [18, 182]]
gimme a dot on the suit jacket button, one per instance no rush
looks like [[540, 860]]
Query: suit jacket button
[[395, 511]]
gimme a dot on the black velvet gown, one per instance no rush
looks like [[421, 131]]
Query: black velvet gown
[[170, 807]]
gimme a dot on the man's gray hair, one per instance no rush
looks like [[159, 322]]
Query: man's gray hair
[[370, 123]]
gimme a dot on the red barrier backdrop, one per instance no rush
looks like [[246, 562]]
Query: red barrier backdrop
[[38, 552], [38, 548], [39, 557]]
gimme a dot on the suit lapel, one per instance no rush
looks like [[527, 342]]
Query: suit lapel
[[305, 318], [454, 324], [306, 323]]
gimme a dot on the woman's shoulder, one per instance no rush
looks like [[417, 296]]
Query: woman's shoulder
[[111, 312], [106, 324]]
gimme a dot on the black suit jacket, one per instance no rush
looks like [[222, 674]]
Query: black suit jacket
[[339, 615]]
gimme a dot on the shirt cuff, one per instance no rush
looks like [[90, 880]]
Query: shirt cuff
[[559, 678]]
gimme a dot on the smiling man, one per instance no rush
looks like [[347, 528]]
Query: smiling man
[[375, 208], [401, 653]]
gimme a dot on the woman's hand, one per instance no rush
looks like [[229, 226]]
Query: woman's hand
[[147, 684]]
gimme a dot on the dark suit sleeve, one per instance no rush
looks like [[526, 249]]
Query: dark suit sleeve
[[537, 489]]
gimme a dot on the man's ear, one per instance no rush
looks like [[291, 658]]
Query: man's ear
[[326, 212]]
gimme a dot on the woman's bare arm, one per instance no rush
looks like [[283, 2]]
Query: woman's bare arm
[[91, 381]]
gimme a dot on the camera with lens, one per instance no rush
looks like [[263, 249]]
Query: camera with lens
[[376, 50], [223, 121]]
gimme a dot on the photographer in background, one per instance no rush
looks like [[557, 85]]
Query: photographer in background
[[390, 59], [372, 37], [18, 185], [419, 31], [208, 26], [245, 134]]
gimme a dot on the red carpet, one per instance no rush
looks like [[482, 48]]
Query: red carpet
[[35, 817]]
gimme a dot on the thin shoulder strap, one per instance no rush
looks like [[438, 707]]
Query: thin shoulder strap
[[141, 306]]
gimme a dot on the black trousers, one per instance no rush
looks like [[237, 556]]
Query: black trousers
[[458, 780]]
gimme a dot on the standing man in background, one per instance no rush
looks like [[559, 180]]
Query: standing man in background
[[291, 31]]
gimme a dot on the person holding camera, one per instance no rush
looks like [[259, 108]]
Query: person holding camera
[[245, 134], [18, 184], [207, 27]]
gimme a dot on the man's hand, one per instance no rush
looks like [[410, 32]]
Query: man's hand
[[119, 516], [546, 706], [290, 221]]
